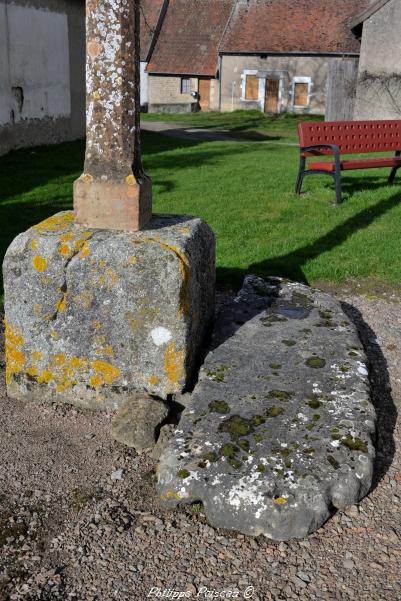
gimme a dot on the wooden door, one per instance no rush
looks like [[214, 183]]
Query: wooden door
[[204, 94], [272, 95]]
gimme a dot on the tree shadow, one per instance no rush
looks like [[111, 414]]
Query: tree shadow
[[291, 264], [382, 400]]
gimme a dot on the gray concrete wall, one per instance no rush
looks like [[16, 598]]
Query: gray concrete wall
[[42, 72], [285, 68], [378, 93]]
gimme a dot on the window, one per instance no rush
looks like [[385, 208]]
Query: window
[[185, 85], [251, 87], [301, 92]]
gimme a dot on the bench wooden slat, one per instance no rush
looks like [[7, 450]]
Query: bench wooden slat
[[357, 164], [352, 137]]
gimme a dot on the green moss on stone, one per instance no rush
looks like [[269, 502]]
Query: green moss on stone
[[219, 407], [261, 468], [333, 462], [257, 420], [244, 444], [282, 395], [275, 365], [355, 444], [315, 362], [183, 473], [235, 463], [289, 342], [236, 426], [210, 456], [274, 411], [228, 450]]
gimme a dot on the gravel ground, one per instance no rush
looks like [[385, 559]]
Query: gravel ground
[[79, 519]]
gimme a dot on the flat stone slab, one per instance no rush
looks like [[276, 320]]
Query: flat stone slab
[[93, 316], [278, 431]]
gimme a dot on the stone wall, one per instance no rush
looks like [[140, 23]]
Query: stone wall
[[42, 72], [314, 69], [379, 77], [165, 94]]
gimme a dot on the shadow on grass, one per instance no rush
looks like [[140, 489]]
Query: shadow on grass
[[291, 264]]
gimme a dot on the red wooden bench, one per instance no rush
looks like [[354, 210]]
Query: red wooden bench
[[338, 138]]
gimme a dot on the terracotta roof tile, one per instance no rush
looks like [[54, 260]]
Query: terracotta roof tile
[[190, 36], [318, 26], [150, 11]]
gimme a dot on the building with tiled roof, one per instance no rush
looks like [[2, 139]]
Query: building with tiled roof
[[184, 65], [378, 90], [152, 14], [276, 55]]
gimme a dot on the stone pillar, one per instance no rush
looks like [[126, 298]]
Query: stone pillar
[[113, 192]]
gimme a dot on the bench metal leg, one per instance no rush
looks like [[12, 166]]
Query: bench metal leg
[[300, 177], [392, 175], [337, 179]]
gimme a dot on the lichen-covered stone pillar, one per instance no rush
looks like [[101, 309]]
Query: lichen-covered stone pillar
[[113, 192]]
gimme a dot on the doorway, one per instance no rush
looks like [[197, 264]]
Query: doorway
[[272, 94], [204, 94]]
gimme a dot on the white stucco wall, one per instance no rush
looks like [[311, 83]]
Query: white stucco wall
[[144, 84], [42, 72], [39, 61]]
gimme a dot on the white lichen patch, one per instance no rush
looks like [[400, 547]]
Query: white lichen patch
[[161, 336]]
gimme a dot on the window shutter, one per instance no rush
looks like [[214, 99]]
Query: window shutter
[[301, 94], [252, 87]]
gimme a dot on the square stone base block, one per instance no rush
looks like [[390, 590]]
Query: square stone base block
[[94, 315], [123, 206]]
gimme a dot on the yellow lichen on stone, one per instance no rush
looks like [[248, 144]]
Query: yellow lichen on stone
[[67, 237], [34, 244], [64, 249], [130, 180], [153, 380], [170, 495], [86, 177], [56, 223], [84, 299], [39, 263], [174, 363], [36, 356], [96, 381], [37, 309], [105, 350], [280, 501], [32, 371], [61, 386], [61, 304], [109, 279], [59, 359], [108, 371], [15, 358], [79, 362], [85, 250], [45, 377], [95, 324], [54, 334], [184, 270], [132, 260]]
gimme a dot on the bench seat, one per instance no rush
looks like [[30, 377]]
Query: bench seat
[[336, 139], [356, 164]]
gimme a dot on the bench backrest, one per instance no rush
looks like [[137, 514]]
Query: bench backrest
[[352, 137]]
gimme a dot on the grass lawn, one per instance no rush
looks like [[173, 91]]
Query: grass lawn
[[244, 190]]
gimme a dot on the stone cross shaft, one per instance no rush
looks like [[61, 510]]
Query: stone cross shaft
[[113, 192]]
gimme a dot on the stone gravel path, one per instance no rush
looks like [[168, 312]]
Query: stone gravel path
[[79, 519]]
